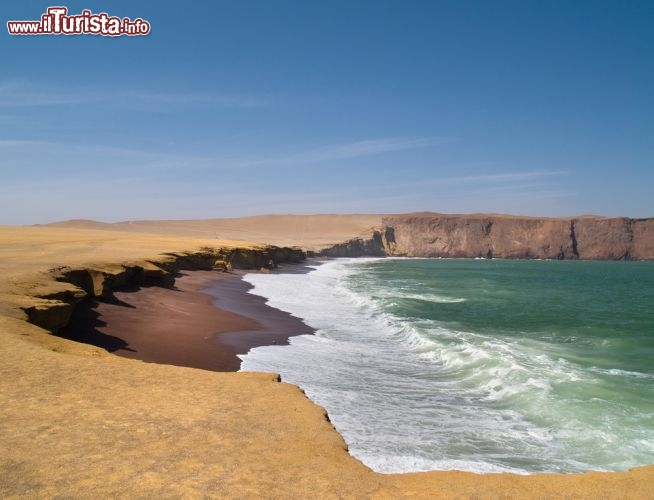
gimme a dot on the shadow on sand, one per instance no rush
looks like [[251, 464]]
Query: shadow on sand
[[85, 321]]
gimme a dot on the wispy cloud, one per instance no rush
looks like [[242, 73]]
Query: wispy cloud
[[483, 193], [23, 143], [351, 150], [22, 94], [14, 94], [366, 148], [535, 177], [501, 177], [55, 160], [192, 99]]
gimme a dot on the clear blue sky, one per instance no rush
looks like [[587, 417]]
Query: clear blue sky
[[249, 107]]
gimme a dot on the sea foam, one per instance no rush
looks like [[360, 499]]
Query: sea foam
[[411, 393]]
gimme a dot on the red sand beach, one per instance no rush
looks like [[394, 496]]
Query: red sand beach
[[203, 322]]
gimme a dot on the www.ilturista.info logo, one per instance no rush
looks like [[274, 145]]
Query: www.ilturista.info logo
[[57, 21]]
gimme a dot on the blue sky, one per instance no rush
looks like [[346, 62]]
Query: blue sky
[[251, 107]]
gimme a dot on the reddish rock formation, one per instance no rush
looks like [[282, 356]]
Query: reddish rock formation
[[604, 238], [435, 235], [643, 236]]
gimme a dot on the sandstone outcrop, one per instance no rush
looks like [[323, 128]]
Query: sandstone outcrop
[[53, 310], [488, 236], [377, 243]]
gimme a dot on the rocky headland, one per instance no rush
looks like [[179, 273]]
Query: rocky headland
[[501, 236]]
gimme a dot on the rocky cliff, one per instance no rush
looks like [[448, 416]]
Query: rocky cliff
[[378, 242], [54, 309], [488, 236]]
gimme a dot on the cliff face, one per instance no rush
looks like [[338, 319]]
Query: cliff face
[[615, 238], [487, 236], [96, 281], [460, 236], [643, 234], [378, 243]]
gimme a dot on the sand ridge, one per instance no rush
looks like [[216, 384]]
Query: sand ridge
[[79, 422], [312, 232]]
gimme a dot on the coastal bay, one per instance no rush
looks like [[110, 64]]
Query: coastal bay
[[204, 322]]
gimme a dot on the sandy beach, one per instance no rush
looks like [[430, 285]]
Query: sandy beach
[[79, 421], [203, 322]]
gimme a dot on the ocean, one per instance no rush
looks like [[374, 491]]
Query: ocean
[[476, 365]]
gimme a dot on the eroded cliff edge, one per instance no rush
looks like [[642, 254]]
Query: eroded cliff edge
[[507, 237], [53, 308]]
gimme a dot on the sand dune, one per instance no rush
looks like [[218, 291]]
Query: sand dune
[[307, 231]]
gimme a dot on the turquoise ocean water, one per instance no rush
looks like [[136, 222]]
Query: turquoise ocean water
[[480, 365]]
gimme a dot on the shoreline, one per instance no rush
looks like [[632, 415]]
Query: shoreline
[[205, 321]]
